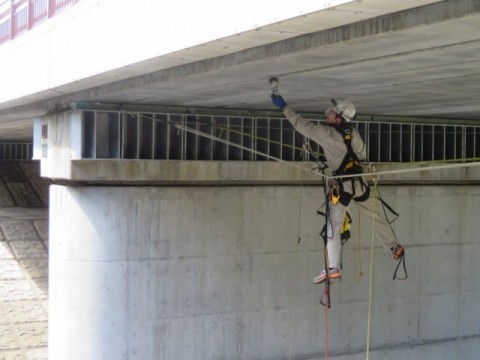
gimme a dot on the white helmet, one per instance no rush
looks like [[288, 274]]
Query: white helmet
[[343, 108]]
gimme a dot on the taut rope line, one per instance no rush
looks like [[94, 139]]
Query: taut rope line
[[293, 164]]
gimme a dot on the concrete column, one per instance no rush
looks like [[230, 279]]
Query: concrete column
[[177, 272], [88, 273], [217, 272]]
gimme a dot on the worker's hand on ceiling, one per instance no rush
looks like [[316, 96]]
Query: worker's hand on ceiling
[[278, 101]]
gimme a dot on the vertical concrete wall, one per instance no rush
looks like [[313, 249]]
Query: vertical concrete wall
[[218, 273], [23, 261]]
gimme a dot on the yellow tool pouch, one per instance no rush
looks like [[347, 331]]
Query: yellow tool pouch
[[345, 230]]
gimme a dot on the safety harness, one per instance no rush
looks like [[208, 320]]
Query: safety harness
[[350, 165], [334, 190]]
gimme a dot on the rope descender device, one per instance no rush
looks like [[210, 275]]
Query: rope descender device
[[334, 192]]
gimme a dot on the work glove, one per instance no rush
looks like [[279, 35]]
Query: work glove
[[278, 101]]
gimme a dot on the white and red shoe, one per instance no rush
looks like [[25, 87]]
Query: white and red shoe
[[332, 274]]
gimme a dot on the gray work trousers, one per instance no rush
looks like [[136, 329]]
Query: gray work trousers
[[383, 231]]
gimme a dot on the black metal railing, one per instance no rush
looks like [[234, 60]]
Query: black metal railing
[[141, 135]]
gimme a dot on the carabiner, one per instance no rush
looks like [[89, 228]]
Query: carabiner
[[334, 194]]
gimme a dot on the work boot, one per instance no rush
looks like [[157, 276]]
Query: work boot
[[332, 274], [397, 251]]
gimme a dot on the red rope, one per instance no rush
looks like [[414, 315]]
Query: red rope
[[326, 323]]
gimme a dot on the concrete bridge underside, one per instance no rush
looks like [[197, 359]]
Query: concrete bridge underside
[[170, 259], [397, 58]]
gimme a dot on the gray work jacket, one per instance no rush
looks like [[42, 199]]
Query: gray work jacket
[[327, 137]]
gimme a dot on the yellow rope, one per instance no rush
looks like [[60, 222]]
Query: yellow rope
[[291, 314], [317, 154], [372, 250], [464, 163], [255, 137], [293, 164], [457, 163], [360, 250], [292, 294]]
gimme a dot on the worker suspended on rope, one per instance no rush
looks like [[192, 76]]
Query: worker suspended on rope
[[343, 149]]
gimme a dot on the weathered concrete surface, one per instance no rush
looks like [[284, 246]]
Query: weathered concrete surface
[[396, 58], [23, 262], [218, 273], [249, 172]]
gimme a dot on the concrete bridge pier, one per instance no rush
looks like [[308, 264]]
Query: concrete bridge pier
[[180, 273], [155, 259]]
